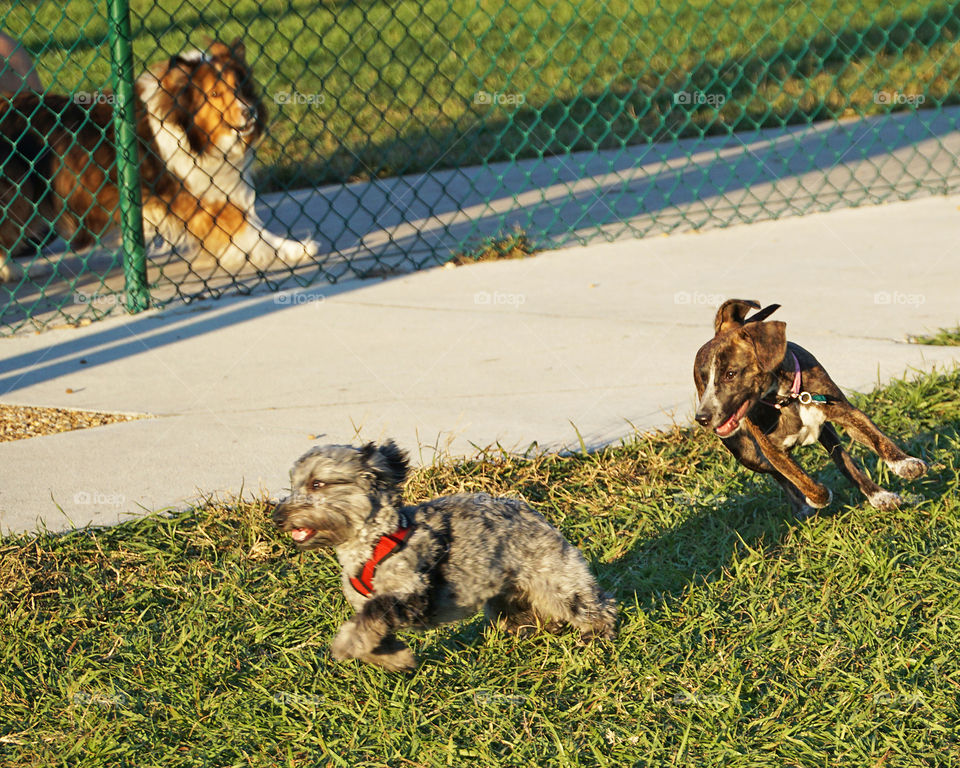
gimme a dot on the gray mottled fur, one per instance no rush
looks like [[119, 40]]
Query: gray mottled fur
[[465, 553]]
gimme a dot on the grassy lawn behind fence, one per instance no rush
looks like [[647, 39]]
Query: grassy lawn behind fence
[[378, 88], [746, 637]]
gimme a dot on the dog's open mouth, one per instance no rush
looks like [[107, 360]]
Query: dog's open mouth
[[301, 535], [730, 425]]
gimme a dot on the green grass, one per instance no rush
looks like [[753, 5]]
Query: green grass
[[945, 337], [393, 86], [515, 245], [746, 638]]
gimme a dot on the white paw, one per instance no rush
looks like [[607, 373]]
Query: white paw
[[10, 271], [349, 644], [885, 500], [398, 661], [295, 252], [820, 506], [908, 467]]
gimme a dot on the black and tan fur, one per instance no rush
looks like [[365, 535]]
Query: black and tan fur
[[747, 362]]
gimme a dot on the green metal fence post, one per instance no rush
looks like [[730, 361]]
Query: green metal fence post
[[128, 176]]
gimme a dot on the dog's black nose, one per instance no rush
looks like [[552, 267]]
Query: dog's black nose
[[702, 418], [279, 513]]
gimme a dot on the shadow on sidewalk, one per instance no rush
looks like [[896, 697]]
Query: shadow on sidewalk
[[142, 333]]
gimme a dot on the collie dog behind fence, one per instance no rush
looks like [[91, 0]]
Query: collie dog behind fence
[[198, 116]]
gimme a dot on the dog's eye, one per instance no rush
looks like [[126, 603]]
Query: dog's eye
[[317, 485], [730, 375]]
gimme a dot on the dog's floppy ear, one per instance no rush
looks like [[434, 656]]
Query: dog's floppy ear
[[175, 97], [220, 50], [700, 363], [239, 49], [733, 314], [387, 461], [770, 342], [396, 461], [763, 314], [177, 101]]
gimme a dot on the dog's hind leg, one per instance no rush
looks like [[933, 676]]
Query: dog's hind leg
[[877, 496], [859, 426], [512, 613], [563, 590], [585, 607]]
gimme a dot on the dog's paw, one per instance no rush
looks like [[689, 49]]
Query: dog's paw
[[908, 468], [884, 500], [822, 500], [10, 271], [350, 643], [400, 660], [293, 252], [602, 631]]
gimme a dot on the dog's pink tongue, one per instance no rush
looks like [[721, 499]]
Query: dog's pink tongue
[[733, 422], [728, 426], [301, 534]]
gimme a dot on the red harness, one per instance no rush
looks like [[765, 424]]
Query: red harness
[[388, 545]]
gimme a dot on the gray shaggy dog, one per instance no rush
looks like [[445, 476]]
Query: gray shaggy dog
[[415, 567]]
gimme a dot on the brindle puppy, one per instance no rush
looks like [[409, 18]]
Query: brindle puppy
[[763, 396]]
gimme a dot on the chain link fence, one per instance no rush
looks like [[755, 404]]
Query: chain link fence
[[398, 134]]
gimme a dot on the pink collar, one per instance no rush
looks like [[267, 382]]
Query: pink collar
[[796, 376], [804, 398], [795, 391]]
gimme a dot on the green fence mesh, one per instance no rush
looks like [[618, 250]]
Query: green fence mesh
[[400, 133]]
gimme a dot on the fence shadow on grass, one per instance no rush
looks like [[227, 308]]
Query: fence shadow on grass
[[646, 109]]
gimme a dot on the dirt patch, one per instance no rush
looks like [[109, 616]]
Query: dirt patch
[[19, 422]]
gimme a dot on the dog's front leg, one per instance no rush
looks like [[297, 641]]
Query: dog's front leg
[[266, 250], [858, 425], [816, 495], [369, 636], [748, 453]]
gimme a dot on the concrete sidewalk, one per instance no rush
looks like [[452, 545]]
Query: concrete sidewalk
[[595, 340]]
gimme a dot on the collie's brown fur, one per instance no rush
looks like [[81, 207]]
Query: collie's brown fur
[[198, 116]]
